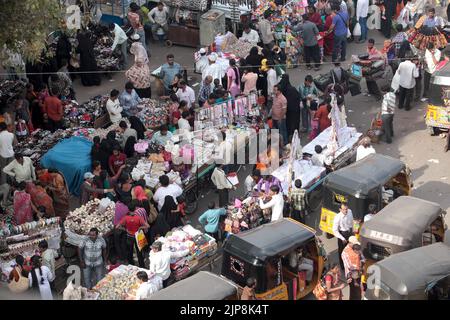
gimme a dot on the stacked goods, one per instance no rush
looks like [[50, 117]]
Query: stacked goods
[[94, 214], [196, 5], [24, 239], [122, 283], [244, 216], [10, 89], [240, 48], [153, 114], [39, 142], [85, 114], [191, 246]]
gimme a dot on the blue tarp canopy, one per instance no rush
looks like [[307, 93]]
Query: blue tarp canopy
[[72, 157]]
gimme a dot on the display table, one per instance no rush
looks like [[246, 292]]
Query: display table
[[72, 157], [303, 170], [122, 283], [348, 139]]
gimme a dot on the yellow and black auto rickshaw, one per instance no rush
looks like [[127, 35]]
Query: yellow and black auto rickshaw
[[265, 253], [203, 286], [418, 274], [438, 109], [376, 179], [404, 224]]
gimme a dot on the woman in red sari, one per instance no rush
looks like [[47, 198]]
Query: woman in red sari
[[23, 208], [39, 197], [329, 39]]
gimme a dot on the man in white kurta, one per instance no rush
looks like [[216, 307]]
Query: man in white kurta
[[214, 70]]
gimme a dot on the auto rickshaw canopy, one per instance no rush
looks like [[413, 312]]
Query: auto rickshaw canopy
[[203, 285], [410, 273], [269, 240], [403, 221], [363, 176]]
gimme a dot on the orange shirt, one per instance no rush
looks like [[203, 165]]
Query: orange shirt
[[53, 108]]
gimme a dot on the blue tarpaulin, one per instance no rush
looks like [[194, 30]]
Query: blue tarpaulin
[[72, 157]]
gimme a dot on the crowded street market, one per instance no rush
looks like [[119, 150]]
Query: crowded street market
[[225, 150]]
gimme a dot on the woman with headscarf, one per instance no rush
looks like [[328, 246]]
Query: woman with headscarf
[[88, 64], [39, 197], [137, 125], [171, 213], [139, 74], [254, 59], [233, 79], [293, 104], [129, 147], [106, 149]]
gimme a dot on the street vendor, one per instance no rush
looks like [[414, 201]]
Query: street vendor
[[250, 35], [162, 136], [266, 183], [146, 288], [275, 202], [432, 20], [129, 100], [374, 55], [160, 261], [252, 180]]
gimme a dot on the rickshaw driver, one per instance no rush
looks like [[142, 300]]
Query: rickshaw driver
[[343, 229]]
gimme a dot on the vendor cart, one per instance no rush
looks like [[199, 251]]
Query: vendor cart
[[438, 109]]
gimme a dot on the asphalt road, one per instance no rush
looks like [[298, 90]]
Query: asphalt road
[[412, 143]]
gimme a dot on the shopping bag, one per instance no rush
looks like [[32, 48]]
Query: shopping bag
[[320, 292], [141, 240], [357, 30], [349, 34]]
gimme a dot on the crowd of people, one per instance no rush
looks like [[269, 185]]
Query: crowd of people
[[37, 193]]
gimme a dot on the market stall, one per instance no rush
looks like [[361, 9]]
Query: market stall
[[24, 240], [199, 249], [339, 142], [72, 157], [184, 29], [94, 214], [245, 215], [122, 284]]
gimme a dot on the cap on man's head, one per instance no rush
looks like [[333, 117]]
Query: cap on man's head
[[212, 57], [353, 240], [89, 175], [202, 51]]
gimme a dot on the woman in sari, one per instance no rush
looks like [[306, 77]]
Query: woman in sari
[[23, 208], [40, 198], [329, 38], [333, 283], [60, 193]]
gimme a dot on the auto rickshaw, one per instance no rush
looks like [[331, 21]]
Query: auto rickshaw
[[203, 285], [265, 253], [418, 274], [404, 224], [376, 179], [438, 111]]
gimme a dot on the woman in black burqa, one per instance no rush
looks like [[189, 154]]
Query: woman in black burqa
[[88, 64], [170, 212], [293, 104], [137, 125]]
